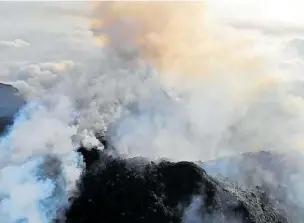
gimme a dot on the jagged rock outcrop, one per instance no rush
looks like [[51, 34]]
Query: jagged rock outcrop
[[112, 189], [10, 102]]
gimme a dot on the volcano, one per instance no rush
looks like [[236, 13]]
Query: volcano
[[115, 189]]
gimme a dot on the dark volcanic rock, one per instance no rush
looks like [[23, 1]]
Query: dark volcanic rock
[[10, 102], [281, 176], [4, 123], [135, 190]]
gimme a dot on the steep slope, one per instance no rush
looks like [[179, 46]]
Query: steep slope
[[10, 102], [136, 190], [279, 175]]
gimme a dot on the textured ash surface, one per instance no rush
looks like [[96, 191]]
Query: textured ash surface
[[135, 190]]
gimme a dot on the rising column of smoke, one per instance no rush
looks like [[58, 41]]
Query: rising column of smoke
[[57, 118], [231, 107], [173, 36], [226, 97]]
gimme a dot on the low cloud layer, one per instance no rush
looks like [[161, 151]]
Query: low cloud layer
[[17, 43]]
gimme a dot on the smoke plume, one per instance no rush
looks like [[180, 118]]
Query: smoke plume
[[173, 36], [213, 80]]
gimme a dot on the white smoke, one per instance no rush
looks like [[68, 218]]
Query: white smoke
[[42, 128]]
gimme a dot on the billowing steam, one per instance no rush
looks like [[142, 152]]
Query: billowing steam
[[223, 94], [167, 85]]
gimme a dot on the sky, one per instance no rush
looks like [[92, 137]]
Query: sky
[[43, 32], [269, 11]]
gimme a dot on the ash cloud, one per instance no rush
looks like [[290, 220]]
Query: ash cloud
[[230, 102]]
